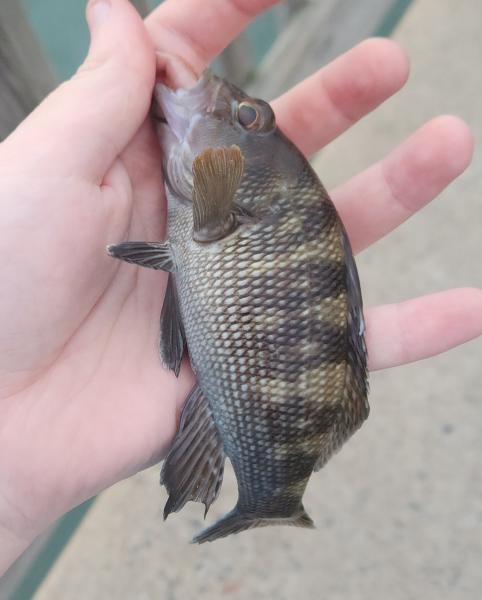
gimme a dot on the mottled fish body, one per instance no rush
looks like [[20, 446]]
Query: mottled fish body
[[264, 291]]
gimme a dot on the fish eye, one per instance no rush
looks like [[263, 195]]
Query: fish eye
[[248, 115]]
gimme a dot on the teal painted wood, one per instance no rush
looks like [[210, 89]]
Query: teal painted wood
[[261, 35], [392, 18], [61, 28], [50, 551]]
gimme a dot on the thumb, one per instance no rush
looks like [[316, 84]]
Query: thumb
[[86, 123]]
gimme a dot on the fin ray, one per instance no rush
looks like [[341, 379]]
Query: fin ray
[[194, 467], [237, 521], [172, 339], [217, 174], [154, 255]]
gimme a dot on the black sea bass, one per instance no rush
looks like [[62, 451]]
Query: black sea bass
[[264, 293]]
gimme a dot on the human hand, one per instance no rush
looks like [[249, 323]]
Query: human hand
[[84, 401]]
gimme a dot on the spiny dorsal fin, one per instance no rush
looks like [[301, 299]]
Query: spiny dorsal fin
[[217, 174]]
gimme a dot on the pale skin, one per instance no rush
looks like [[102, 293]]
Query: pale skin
[[84, 401]]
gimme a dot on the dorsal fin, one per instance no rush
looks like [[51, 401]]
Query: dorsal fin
[[217, 174]]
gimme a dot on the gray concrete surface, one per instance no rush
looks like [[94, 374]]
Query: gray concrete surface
[[399, 510]]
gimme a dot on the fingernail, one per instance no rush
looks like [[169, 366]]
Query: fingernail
[[98, 11]]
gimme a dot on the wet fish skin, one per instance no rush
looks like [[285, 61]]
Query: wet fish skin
[[271, 314]]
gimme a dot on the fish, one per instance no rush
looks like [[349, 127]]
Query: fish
[[264, 295]]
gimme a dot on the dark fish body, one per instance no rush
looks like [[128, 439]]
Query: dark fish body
[[265, 294]]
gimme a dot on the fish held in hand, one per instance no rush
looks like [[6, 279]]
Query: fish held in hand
[[263, 291]]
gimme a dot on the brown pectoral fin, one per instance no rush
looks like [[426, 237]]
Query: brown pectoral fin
[[217, 174]]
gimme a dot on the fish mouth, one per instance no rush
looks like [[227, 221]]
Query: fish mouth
[[179, 109], [181, 115]]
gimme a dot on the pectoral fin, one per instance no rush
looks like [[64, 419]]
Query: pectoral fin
[[217, 174], [154, 255]]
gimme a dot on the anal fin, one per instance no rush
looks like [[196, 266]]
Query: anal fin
[[193, 469]]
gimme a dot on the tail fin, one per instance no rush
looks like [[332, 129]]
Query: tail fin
[[236, 521]]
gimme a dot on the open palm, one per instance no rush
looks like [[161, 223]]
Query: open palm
[[84, 401]]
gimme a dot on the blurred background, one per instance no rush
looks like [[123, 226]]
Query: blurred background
[[399, 510], [43, 43]]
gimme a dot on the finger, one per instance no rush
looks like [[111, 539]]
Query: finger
[[379, 199], [141, 162], [423, 327], [198, 30], [83, 125], [323, 106]]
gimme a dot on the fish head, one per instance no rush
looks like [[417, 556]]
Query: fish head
[[216, 114]]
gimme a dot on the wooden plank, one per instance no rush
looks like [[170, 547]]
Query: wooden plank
[[143, 6], [28, 572], [25, 75], [315, 35], [291, 7], [12, 579], [235, 61]]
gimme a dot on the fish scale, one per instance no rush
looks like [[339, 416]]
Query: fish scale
[[264, 293], [216, 340]]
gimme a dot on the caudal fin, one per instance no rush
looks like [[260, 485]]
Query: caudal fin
[[236, 521]]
